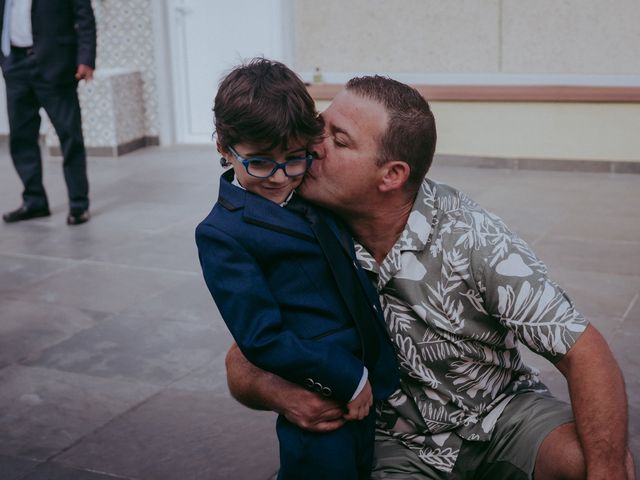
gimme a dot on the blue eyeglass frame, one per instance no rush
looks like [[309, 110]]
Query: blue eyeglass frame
[[276, 166]]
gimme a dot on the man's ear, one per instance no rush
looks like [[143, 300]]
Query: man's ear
[[395, 175]]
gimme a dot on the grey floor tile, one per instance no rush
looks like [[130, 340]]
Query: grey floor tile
[[210, 378], [135, 348], [185, 435], [100, 286], [625, 346], [51, 237], [189, 301], [174, 250], [582, 254], [624, 222], [53, 471], [598, 293], [145, 216], [19, 271], [27, 328], [44, 411], [13, 468]]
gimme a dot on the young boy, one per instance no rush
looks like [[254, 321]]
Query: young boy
[[274, 283]]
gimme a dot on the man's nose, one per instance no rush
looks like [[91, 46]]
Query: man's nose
[[318, 151]]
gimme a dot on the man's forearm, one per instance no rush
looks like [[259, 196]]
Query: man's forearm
[[261, 390], [253, 387], [599, 404]]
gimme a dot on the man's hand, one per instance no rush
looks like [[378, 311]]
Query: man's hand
[[359, 406], [84, 72], [310, 411], [258, 389]]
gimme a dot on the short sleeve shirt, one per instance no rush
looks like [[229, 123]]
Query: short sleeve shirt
[[459, 290]]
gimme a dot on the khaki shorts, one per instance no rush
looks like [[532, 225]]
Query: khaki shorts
[[510, 454]]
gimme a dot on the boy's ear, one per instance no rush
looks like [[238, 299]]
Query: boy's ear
[[395, 175], [224, 162]]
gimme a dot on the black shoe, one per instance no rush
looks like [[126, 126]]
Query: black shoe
[[24, 213], [76, 217]]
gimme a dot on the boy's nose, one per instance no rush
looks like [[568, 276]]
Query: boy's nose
[[279, 176]]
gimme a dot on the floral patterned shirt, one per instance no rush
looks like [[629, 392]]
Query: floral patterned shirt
[[459, 290]]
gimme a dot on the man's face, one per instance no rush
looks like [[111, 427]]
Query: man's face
[[345, 173]]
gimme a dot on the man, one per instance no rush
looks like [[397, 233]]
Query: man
[[47, 47], [458, 289]]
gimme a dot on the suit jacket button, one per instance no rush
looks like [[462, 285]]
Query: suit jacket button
[[326, 391], [309, 383], [317, 387]]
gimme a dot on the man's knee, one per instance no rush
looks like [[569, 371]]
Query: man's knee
[[560, 455], [631, 468]]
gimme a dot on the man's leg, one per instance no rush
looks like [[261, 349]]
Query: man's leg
[[560, 456], [62, 106], [395, 461], [24, 127], [520, 437]]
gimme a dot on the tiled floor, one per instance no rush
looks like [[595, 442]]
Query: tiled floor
[[111, 351]]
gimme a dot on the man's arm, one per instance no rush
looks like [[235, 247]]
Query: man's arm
[[599, 402], [86, 34], [262, 390]]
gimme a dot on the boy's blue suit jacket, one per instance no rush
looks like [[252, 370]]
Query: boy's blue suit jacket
[[278, 297]]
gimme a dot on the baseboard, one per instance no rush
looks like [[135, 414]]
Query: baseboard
[[115, 151]]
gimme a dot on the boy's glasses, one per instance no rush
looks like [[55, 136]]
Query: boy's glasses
[[265, 167]]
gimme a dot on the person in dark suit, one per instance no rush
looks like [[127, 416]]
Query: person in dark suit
[[47, 47], [287, 287]]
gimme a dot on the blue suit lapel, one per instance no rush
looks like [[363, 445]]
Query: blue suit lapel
[[262, 212]]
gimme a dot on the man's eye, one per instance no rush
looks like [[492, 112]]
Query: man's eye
[[338, 143]]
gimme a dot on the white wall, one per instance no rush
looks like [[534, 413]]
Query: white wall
[[4, 121], [566, 131]]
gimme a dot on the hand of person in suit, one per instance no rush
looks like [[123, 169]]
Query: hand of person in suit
[[359, 406], [84, 72]]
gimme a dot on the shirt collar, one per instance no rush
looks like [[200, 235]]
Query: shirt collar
[[415, 237]]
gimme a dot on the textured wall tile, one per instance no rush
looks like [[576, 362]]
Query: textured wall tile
[[125, 40], [571, 36], [396, 36]]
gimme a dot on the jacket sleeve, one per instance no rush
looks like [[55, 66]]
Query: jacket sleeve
[[253, 317], [86, 32]]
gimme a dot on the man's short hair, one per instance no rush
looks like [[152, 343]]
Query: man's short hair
[[411, 132], [263, 102]]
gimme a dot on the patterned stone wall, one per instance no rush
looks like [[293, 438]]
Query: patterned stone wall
[[125, 40]]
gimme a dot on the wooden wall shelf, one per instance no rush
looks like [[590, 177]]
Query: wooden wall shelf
[[507, 93]]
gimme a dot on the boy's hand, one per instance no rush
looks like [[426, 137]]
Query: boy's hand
[[359, 406]]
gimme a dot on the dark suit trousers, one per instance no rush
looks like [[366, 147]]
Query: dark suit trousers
[[27, 92], [342, 454]]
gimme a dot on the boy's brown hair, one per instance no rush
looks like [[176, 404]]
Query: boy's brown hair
[[263, 102]]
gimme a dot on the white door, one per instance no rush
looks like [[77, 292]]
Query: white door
[[208, 38]]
